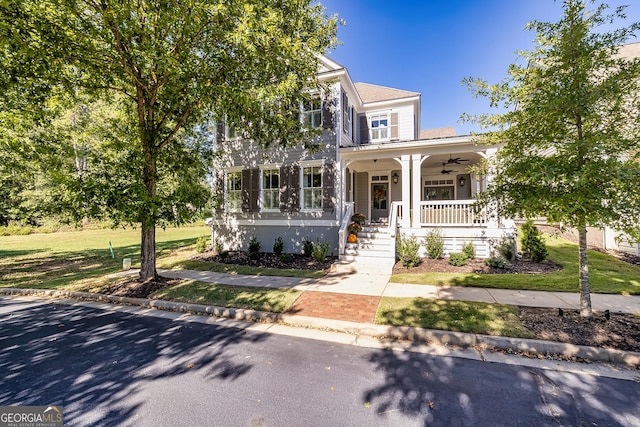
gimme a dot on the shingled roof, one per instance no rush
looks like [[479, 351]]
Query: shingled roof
[[375, 93], [437, 133], [630, 51]]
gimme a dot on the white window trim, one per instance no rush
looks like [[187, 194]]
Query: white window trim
[[370, 116], [236, 169], [261, 200], [311, 164]]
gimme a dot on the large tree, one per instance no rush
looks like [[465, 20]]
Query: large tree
[[571, 132], [178, 64]]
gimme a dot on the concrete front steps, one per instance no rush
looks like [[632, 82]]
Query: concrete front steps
[[373, 253]]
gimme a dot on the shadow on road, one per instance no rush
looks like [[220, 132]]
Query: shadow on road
[[80, 357]]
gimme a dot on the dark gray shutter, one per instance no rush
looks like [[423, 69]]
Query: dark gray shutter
[[394, 125], [294, 182], [328, 184], [218, 192], [254, 195], [220, 134], [246, 190], [364, 129], [285, 188], [289, 188], [345, 112], [327, 113]]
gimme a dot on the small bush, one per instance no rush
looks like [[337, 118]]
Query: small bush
[[254, 248], [505, 249], [286, 258], [434, 244], [201, 244], [307, 248], [408, 248], [533, 244], [458, 259], [278, 246], [469, 250], [496, 262], [320, 251], [359, 218]]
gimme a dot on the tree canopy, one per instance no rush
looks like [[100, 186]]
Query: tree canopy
[[570, 133], [172, 67]]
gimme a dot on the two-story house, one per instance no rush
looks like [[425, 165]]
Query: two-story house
[[374, 160]]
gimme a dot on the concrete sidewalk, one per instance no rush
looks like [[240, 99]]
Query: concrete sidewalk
[[378, 285]]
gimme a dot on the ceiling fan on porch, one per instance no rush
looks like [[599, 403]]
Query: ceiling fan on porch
[[456, 160], [446, 171]]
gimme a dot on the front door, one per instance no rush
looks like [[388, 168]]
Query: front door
[[380, 202]]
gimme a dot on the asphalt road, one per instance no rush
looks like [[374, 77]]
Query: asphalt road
[[116, 368]]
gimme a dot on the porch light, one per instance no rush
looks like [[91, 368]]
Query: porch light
[[395, 177], [462, 181]]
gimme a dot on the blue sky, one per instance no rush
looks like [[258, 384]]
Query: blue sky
[[429, 46]]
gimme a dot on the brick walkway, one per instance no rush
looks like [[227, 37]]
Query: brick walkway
[[330, 305]]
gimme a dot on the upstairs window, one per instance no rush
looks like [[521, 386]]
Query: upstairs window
[[312, 188], [233, 133], [233, 192], [271, 189], [379, 126], [312, 113]]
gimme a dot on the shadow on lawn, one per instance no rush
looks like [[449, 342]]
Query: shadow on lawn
[[97, 363]]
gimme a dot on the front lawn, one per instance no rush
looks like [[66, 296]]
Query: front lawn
[[459, 316], [607, 274]]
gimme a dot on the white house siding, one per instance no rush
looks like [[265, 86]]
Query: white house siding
[[361, 191]]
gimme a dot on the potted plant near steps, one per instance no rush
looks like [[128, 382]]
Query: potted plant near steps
[[354, 228]]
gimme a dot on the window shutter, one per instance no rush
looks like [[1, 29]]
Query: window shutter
[[246, 190], [218, 192], [220, 134], [254, 194], [345, 112], [289, 188], [364, 129], [394, 125], [328, 183], [327, 113]]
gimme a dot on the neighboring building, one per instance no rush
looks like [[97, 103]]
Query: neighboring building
[[374, 160]]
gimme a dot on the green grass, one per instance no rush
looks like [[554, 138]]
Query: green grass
[[458, 316], [606, 273], [64, 260], [264, 299]]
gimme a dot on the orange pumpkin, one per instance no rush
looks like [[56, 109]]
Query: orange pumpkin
[[352, 238]]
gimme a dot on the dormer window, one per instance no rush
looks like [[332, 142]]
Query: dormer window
[[379, 126]]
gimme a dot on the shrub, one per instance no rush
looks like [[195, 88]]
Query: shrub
[[201, 244], [358, 218], [408, 248], [496, 262], [286, 258], [458, 259], [533, 244], [254, 248], [278, 246], [307, 248], [320, 251], [469, 250], [434, 244], [354, 228], [505, 249]]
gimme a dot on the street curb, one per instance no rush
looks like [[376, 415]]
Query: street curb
[[445, 338]]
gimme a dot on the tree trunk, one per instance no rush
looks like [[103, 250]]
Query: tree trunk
[[148, 216], [585, 293]]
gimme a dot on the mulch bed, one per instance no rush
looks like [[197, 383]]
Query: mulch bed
[[519, 266], [135, 289], [269, 260]]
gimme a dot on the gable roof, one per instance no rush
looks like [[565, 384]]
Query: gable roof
[[375, 93], [437, 133]]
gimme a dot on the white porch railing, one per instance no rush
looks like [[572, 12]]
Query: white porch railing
[[342, 233], [451, 212], [395, 215]]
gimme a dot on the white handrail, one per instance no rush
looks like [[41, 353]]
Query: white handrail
[[452, 212], [342, 233], [396, 213]]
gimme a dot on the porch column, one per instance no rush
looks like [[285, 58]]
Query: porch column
[[493, 221], [406, 191], [342, 197], [416, 181]]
